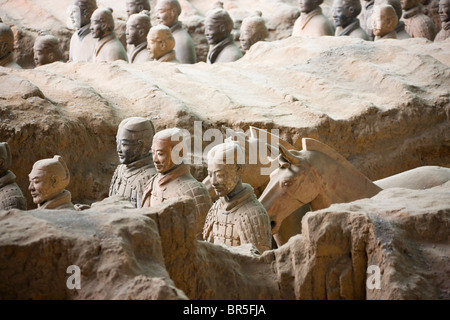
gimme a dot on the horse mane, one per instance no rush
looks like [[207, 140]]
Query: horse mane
[[309, 144]]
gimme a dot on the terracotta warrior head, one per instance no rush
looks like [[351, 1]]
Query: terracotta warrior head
[[307, 6], [396, 4], [253, 29], [102, 23], [136, 6], [6, 40], [134, 139], [345, 12], [384, 20], [160, 41], [5, 158], [409, 4], [48, 178], [167, 149], [46, 50], [138, 26], [218, 25], [226, 162], [444, 11], [81, 11], [167, 12]]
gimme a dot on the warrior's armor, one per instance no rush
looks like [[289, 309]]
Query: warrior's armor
[[176, 183], [129, 180], [239, 220], [11, 197]]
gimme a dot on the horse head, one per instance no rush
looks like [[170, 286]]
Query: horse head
[[292, 185]]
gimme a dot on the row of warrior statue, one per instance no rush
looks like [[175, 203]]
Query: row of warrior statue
[[95, 39], [148, 175]]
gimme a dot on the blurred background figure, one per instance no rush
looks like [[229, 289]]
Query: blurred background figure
[[444, 14], [400, 28], [430, 8], [108, 47], [7, 48], [218, 27], [138, 26], [253, 29], [364, 17], [82, 43], [161, 44], [11, 197], [312, 22], [417, 24], [46, 50], [345, 15], [136, 6], [167, 13], [384, 21]]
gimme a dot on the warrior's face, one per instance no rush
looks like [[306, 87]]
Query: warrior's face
[[224, 177], [214, 31], [342, 14], [444, 10], [162, 155], [129, 150], [42, 186], [166, 13], [75, 16]]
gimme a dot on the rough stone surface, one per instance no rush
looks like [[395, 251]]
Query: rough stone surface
[[118, 252], [129, 253]]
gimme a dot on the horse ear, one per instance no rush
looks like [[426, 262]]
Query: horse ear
[[288, 155], [271, 138]]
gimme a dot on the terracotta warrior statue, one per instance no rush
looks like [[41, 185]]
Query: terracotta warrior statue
[[237, 217], [138, 26], [11, 197], [444, 13], [345, 15], [7, 48], [161, 44], [365, 17], [417, 24], [108, 47], [430, 8], [174, 178], [400, 28], [218, 27], [253, 29], [48, 180], [134, 141], [46, 50], [167, 12], [384, 21], [82, 43], [312, 23], [136, 6]]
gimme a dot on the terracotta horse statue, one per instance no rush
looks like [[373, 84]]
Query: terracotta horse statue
[[320, 176]]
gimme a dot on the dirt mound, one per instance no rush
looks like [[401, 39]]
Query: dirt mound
[[124, 253], [117, 251]]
